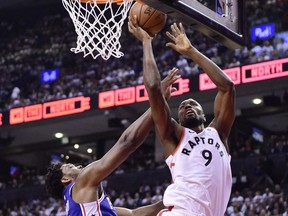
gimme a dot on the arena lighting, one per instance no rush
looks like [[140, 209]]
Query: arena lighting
[[89, 150], [58, 135], [257, 101], [67, 157], [76, 146]]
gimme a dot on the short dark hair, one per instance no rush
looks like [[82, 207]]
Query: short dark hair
[[53, 182]]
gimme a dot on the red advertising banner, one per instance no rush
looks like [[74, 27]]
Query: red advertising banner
[[265, 70], [138, 93], [49, 110], [245, 74], [125, 96], [205, 83], [1, 119], [66, 107]]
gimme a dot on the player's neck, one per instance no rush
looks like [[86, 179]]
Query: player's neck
[[198, 129]]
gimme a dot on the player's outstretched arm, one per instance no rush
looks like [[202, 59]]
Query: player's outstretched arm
[[128, 142], [169, 131], [224, 105]]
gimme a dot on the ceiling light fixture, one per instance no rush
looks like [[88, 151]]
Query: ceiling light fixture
[[58, 135], [257, 101], [89, 150]]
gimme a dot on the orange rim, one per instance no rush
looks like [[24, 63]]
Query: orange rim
[[103, 1]]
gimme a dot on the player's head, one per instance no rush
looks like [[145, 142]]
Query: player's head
[[191, 114], [59, 175]]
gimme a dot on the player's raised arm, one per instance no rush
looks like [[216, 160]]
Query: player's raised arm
[[224, 105], [169, 131]]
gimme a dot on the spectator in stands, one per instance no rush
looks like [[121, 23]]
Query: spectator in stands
[[217, 59], [268, 48], [234, 62], [267, 195], [238, 199], [157, 196], [257, 49], [278, 192], [120, 201], [281, 47]]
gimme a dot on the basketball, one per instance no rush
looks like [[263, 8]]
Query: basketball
[[150, 19]]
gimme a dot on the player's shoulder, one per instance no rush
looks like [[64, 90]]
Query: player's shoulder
[[212, 131], [211, 128]]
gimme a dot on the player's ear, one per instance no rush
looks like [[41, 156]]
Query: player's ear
[[65, 180]]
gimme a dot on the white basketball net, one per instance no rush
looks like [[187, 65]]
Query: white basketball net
[[98, 26]]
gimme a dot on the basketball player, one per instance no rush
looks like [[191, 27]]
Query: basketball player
[[198, 157], [81, 187]]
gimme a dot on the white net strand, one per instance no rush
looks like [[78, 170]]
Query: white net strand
[[98, 29]]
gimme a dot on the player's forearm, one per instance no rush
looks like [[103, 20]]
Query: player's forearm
[[149, 210], [152, 79], [136, 133], [219, 78], [152, 83]]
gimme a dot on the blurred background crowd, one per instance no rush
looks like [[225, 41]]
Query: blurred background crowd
[[31, 45]]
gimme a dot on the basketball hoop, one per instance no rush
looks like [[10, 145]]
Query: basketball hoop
[[98, 24]]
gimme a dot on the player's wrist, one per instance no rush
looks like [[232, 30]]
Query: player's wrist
[[147, 40], [190, 51]]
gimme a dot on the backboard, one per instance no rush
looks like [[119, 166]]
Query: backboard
[[221, 20]]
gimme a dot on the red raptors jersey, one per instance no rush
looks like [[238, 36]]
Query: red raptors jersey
[[201, 173]]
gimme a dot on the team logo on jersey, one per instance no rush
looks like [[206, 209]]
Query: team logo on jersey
[[195, 141]]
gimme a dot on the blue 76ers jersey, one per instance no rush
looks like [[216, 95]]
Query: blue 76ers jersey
[[101, 207]]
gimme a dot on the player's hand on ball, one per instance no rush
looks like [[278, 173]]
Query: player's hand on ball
[[136, 30]]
